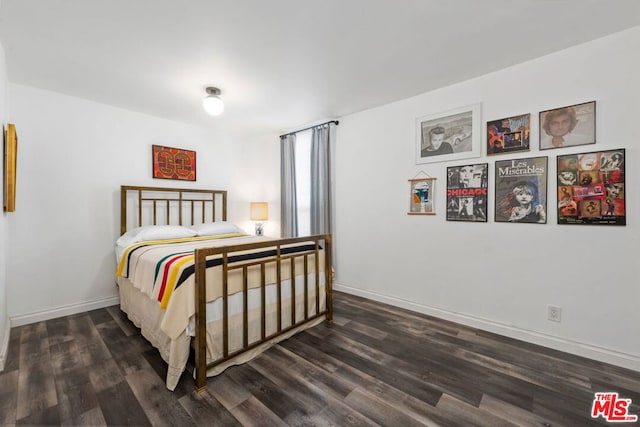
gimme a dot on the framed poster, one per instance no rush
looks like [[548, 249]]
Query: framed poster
[[173, 163], [521, 190], [508, 135], [421, 196], [467, 193], [591, 188], [451, 135], [10, 165], [568, 126]]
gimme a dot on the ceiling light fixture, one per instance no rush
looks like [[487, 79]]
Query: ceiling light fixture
[[212, 104]]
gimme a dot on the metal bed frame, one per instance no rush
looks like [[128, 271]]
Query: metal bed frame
[[161, 205]]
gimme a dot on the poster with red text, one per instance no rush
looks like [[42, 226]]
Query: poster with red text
[[521, 190], [467, 193]]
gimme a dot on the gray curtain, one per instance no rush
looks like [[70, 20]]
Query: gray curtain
[[288, 201], [321, 180]]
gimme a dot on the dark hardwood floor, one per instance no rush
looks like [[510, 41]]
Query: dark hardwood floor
[[378, 365]]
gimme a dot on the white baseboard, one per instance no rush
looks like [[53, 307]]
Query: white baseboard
[[601, 354], [4, 348], [65, 310]]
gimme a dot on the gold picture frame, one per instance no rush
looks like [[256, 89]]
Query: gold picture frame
[[10, 163]]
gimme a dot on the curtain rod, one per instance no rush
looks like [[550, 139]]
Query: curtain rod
[[336, 122]]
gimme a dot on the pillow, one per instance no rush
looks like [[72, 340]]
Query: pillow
[[154, 232], [216, 228]]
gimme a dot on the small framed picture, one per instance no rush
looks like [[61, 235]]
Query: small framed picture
[[10, 164], [467, 193], [508, 135], [173, 163], [421, 197], [450, 135], [568, 126]]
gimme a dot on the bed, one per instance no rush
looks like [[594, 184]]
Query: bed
[[191, 281]]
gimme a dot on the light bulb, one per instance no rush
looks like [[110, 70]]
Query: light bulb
[[213, 105]]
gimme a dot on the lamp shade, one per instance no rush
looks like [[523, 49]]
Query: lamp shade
[[213, 105], [259, 211]]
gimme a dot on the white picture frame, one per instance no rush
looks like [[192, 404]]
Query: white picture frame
[[458, 132]]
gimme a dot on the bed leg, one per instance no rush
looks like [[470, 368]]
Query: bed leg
[[201, 380], [201, 326], [201, 389]]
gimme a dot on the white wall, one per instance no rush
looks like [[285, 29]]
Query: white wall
[[256, 178], [4, 320], [499, 276], [74, 155]]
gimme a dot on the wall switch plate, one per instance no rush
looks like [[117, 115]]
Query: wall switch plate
[[554, 313]]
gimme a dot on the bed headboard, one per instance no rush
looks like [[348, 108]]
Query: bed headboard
[[162, 206]]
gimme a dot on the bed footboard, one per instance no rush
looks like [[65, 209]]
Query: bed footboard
[[287, 256]]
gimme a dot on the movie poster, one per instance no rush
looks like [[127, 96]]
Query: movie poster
[[591, 188], [467, 193], [521, 190], [508, 135]]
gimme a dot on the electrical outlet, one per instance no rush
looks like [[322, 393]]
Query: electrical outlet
[[554, 313]]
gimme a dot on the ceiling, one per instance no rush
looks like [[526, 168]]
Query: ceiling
[[282, 64]]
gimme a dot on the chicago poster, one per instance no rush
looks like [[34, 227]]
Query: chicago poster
[[467, 193]]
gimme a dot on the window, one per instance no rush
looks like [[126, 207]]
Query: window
[[305, 205], [303, 182]]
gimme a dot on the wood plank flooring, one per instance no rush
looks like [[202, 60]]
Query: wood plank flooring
[[378, 365]]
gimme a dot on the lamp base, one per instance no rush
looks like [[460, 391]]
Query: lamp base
[[259, 229]]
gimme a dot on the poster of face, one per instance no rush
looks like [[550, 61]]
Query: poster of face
[[521, 190], [467, 193], [568, 126], [508, 135], [591, 188]]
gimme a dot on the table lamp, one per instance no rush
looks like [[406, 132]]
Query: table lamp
[[259, 213]]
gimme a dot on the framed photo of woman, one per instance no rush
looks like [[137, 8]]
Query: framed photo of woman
[[568, 126]]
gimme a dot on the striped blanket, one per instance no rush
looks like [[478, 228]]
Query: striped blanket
[[164, 270]]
